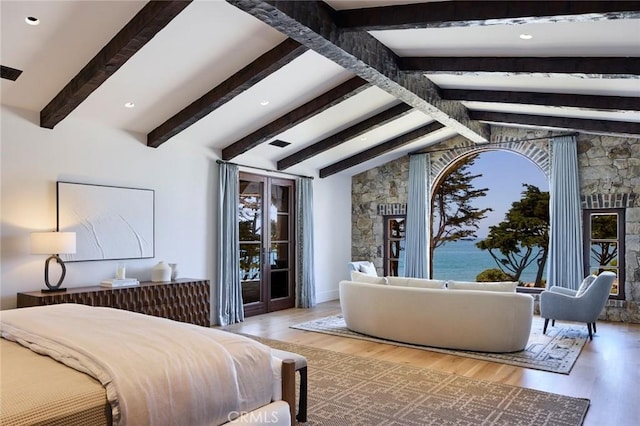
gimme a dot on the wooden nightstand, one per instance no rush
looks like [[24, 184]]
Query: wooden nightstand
[[185, 299]]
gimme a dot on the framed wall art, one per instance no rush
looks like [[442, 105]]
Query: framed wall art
[[110, 222]]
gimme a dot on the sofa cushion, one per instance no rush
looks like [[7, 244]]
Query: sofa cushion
[[586, 283], [424, 283], [415, 282], [397, 281], [507, 286], [368, 268], [366, 278]]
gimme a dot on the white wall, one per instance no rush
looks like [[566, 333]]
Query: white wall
[[185, 182], [332, 218]]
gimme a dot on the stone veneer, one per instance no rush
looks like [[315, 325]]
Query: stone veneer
[[609, 177]]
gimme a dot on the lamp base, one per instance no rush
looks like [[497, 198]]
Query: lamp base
[[53, 290]]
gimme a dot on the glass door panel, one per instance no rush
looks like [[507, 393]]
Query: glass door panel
[[250, 235], [280, 248], [250, 272]]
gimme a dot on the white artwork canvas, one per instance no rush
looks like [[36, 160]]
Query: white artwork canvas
[[110, 222]]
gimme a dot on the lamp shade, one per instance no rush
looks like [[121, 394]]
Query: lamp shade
[[53, 242]]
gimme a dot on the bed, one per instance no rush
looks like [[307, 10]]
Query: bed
[[107, 366]]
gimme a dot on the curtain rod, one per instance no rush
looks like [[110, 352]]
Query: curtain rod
[[495, 143], [264, 169]]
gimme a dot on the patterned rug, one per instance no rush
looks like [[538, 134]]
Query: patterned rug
[[557, 351], [350, 390]]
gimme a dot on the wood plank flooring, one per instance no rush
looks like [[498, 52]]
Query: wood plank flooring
[[607, 371]]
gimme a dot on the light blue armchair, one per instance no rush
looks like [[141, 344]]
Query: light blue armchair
[[562, 304]]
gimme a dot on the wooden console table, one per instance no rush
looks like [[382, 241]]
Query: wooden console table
[[185, 299]]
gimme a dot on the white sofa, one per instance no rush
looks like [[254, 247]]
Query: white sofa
[[475, 320]]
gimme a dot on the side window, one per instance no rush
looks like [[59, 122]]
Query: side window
[[604, 245], [394, 243]]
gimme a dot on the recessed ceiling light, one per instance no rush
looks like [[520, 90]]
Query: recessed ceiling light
[[129, 105], [526, 36], [264, 103], [32, 20]]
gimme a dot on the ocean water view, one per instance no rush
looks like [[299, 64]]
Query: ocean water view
[[462, 260]]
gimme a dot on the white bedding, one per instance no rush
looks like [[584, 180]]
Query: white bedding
[[156, 371]]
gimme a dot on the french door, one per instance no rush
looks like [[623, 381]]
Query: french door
[[266, 231]]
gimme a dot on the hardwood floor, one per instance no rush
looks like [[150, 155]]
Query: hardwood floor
[[607, 371]]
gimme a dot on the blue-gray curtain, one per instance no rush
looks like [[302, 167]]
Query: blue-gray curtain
[[228, 307], [564, 263], [418, 218], [305, 282]]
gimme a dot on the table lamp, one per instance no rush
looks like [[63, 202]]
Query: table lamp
[[53, 243]]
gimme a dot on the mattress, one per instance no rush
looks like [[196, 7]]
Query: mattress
[[36, 389]]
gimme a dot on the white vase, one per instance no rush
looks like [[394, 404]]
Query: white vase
[[161, 272], [174, 271]]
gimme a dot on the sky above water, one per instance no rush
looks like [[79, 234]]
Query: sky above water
[[503, 173]]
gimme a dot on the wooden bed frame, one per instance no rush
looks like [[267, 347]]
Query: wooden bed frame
[[288, 371]]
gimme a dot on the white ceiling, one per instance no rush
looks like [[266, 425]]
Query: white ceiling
[[211, 40]]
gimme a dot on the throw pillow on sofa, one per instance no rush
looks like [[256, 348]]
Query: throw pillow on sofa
[[368, 269], [366, 278], [507, 286]]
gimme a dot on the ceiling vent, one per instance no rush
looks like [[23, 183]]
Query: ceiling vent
[[279, 143], [10, 73]]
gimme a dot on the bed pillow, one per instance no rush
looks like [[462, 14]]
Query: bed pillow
[[586, 283], [506, 286], [425, 283], [366, 278], [368, 269]]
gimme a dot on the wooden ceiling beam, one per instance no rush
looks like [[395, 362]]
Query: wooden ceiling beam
[[619, 103], [323, 102], [599, 126], [380, 149], [152, 18], [311, 23], [339, 138], [248, 76], [600, 66], [474, 13]]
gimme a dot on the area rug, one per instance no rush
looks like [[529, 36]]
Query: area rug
[[557, 351], [351, 390]]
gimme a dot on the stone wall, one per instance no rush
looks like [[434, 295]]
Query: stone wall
[[383, 187], [609, 177]]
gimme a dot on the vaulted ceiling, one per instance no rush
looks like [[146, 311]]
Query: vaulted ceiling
[[338, 86]]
